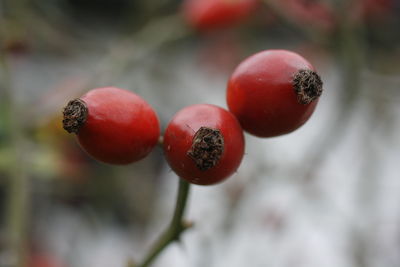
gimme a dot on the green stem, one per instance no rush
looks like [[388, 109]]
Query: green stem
[[175, 229]]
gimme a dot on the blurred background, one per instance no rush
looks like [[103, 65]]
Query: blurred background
[[325, 195]]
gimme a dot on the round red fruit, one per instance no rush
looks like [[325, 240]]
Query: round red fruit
[[273, 92], [113, 125], [206, 15], [204, 144]]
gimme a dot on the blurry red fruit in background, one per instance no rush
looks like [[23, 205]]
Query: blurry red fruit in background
[[206, 15], [220, 54], [16, 47], [43, 260], [376, 9]]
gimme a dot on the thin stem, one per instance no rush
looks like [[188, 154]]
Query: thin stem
[[175, 229]]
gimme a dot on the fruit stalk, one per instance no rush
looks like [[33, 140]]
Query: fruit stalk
[[175, 229]]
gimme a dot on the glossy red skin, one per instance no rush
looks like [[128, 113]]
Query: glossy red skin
[[179, 135], [261, 95], [206, 15], [121, 127]]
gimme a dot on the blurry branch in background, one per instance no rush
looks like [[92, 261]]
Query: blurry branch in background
[[17, 179], [175, 229], [23, 22], [314, 34], [132, 49]]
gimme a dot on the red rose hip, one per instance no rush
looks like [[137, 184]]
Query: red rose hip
[[273, 92], [113, 125], [206, 15], [204, 144]]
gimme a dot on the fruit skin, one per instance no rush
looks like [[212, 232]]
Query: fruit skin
[[205, 15], [179, 135], [261, 95], [120, 128]]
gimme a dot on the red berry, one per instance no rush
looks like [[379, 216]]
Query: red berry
[[273, 92], [113, 125], [210, 14], [204, 144]]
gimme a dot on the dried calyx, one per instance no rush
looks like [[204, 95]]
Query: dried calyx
[[207, 148], [75, 114], [307, 85]]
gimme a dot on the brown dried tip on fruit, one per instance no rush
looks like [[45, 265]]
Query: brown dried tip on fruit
[[75, 115], [207, 148], [307, 85]]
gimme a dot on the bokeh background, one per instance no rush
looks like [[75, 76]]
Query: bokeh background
[[326, 195]]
